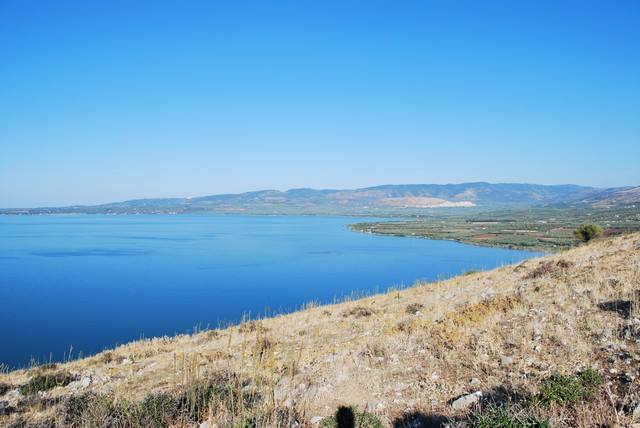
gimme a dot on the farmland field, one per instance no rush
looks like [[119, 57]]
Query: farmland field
[[547, 229]]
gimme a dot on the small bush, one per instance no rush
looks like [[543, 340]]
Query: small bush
[[278, 417], [564, 264], [75, 407], [261, 346], [590, 380], [413, 308], [561, 389], [4, 388], [48, 366], [195, 400], [349, 416], [374, 351], [249, 326], [549, 268], [223, 391], [359, 312], [159, 410], [506, 417], [587, 232], [44, 382], [109, 357]]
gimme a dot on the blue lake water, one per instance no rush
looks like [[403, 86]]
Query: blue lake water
[[90, 282]]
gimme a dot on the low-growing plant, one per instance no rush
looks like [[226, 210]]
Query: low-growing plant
[[45, 381], [506, 417], [359, 312], [560, 389], [590, 380], [222, 393], [350, 416], [269, 417], [159, 410], [109, 357], [549, 268], [563, 389], [413, 308], [74, 408], [225, 391], [48, 366]]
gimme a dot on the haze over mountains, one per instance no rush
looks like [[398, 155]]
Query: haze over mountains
[[407, 198]]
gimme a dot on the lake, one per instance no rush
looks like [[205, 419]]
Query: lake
[[86, 283]]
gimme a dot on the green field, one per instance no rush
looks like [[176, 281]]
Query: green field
[[546, 229]]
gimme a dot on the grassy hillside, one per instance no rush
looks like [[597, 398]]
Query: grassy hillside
[[551, 341]]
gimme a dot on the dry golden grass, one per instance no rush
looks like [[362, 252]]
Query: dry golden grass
[[411, 350]]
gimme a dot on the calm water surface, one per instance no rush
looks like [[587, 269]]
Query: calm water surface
[[90, 282]]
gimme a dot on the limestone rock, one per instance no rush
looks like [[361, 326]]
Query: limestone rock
[[13, 397], [467, 401]]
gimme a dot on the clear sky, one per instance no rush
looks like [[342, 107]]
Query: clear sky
[[110, 100]]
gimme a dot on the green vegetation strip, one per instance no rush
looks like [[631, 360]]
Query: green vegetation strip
[[536, 229]]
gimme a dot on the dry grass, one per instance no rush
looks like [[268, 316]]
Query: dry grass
[[402, 355]]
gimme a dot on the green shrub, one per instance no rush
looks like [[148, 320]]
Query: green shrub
[[506, 417], [590, 380], [158, 410], [44, 382], [75, 407], [560, 389], [587, 232], [563, 389]]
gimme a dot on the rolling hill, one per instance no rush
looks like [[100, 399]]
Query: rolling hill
[[385, 199]]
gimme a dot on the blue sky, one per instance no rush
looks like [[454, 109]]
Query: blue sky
[[104, 101]]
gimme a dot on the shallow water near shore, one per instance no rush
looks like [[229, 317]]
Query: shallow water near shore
[[86, 283]]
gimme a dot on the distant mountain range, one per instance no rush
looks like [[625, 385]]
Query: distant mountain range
[[386, 199]]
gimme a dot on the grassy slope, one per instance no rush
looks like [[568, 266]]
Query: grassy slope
[[412, 350]]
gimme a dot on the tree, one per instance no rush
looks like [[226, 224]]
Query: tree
[[587, 232]]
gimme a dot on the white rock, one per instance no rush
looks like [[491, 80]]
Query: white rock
[[205, 424], [467, 401], [506, 361], [13, 397], [85, 381], [316, 420]]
